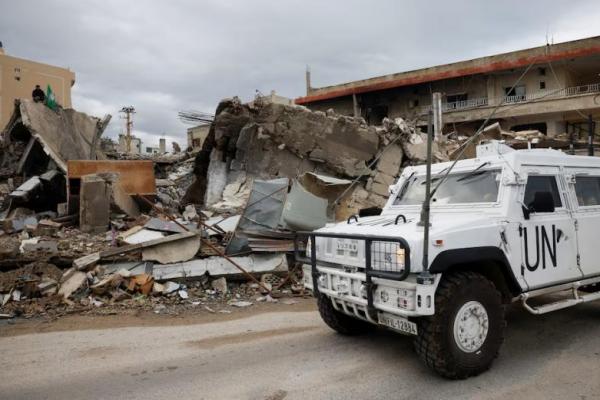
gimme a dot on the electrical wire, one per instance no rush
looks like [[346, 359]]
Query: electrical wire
[[480, 130]]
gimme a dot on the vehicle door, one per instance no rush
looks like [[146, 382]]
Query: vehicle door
[[585, 191], [548, 241]]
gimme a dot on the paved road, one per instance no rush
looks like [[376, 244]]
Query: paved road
[[292, 355]]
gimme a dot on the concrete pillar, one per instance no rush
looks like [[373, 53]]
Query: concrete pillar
[[491, 90], [162, 146], [554, 128], [94, 204]]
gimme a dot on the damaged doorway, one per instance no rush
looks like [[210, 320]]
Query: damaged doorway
[[376, 114]]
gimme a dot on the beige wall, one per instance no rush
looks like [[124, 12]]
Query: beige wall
[[197, 135], [135, 145], [18, 78]]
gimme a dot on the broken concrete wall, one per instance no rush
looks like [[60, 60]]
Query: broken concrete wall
[[38, 142], [65, 134], [267, 141]]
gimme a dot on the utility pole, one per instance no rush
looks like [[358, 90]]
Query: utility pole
[[436, 105], [128, 111], [436, 109], [590, 135]]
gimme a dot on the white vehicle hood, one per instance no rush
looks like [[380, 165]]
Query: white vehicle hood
[[451, 227]]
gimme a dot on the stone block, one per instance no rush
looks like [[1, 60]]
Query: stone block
[[380, 189], [94, 204]]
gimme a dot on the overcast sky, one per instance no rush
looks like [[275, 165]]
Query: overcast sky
[[166, 56]]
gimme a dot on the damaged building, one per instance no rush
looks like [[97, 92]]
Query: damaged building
[[557, 93], [265, 140]]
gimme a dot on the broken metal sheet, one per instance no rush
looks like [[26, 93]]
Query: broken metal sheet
[[226, 224], [142, 235], [219, 266], [157, 224], [136, 177], [329, 180], [171, 252], [270, 245], [263, 211], [303, 211]]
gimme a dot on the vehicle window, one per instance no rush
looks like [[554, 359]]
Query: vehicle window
[[587, 189], [542, 184], [467, 187]]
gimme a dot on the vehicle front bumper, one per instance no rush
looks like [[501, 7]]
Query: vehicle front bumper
[[348, 292]]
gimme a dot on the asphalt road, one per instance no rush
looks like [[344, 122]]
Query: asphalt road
[[292, 355]]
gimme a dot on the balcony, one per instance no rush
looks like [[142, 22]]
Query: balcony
[[530, 97]]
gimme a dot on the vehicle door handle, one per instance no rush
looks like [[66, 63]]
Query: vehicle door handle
[[559, 234]]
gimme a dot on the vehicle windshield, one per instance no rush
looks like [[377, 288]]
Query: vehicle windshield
[[466, 187]]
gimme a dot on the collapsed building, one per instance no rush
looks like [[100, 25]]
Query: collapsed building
[[267, 140]]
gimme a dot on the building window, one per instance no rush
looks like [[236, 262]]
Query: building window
[[514, 94], [454, 100], [542, 85], [17, 74], [413, 103], [542, 71]]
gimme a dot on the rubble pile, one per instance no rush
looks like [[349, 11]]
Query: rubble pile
[[263, 140], [82, 230]]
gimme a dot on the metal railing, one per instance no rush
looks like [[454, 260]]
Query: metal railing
[[539, 95]]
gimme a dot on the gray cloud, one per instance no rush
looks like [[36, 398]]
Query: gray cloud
[[163, 57]]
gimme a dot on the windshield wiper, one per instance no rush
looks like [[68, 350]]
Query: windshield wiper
[[405, 186], [475, 172]]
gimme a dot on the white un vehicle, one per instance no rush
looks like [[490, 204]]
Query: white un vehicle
[[506, 226]]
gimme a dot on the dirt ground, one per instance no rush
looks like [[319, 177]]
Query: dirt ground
[[145, 318]]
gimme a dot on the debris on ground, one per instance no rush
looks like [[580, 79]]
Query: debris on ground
[[84, 228]]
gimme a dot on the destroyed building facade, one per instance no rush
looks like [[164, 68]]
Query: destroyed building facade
[[558, 91]]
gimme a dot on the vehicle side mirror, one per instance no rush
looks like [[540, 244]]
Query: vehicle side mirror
[[543, 202]]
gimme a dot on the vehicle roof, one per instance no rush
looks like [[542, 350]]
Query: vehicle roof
[[515, 159]]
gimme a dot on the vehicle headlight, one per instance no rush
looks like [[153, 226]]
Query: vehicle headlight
[[387, 256]]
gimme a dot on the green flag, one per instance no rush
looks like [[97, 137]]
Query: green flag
[[50, 99]]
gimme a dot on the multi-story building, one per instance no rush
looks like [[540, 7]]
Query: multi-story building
[[18, 78], [559, 88]]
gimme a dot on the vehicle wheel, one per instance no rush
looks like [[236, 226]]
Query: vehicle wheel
[[462, 339], [339, 321]]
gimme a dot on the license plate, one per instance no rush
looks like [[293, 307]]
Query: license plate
[[398, 323]]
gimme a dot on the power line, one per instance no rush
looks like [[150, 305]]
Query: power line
[[191, 117], [480, 130]]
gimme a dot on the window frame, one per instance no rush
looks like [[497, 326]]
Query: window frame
[[496, 202], [561, 198], [574, 191]]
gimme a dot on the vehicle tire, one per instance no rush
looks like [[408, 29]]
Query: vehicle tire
[[339, 321], [464, 336]]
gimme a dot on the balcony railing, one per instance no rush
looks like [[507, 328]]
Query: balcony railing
[[542, 94]]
